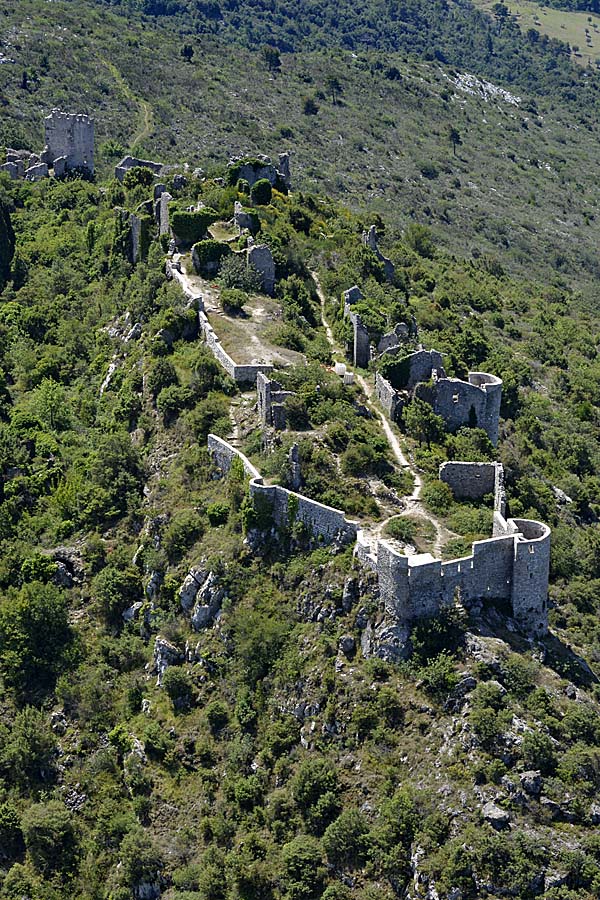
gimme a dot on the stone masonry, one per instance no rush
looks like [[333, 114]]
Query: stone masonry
[[475, 402], [69, 142], [271, 402], [510, 567]]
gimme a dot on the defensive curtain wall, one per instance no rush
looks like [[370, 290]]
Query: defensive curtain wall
[[287, 506], [241, 374], [510, 567]]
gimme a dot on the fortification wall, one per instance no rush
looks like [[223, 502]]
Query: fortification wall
[[470, 480], [510, 567], [421, 366], [287, 506], [224, 454], [388, 397]]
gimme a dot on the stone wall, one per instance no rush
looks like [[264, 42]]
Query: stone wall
[[475, 402], [470, 480], [224, 454], [129, 162], [69, 138], [389, 399], [260, 256], [423, 364], [287, 506], [271, 402], [512, 567], [361, 354], [240, 374]]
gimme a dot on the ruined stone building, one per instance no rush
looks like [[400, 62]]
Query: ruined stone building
[[475, 402], [271, 399], [69, 146], [510, 569], [69, 142]]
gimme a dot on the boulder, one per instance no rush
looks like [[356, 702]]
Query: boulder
[[531, 782], [497, 817], [165, 654], [190, 587], [347, 645]]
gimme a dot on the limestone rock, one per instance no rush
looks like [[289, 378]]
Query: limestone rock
[[132, 612], [165, 655], [531, 782], [497, 817], [347, 645], [190, 587]]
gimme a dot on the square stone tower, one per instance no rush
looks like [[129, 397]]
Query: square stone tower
[[69, 142]]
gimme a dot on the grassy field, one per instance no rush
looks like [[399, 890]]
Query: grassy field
[[580, 30]]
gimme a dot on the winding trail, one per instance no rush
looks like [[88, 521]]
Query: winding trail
[[146, 116], [414, 505]]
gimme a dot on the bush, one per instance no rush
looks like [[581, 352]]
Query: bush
[[208, 255], [49, 837], [191, 227], [115, 589], [217, 513], [236, 273], [217, 715], [439, 676], [233, 300], [345, 840], [303, 868], [437, 496], [138, 176], [401, 530], [261, 192], [177, 686], [537, 751], [11, 836]]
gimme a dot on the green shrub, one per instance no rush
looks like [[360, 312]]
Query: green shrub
[[208, 255], [217, 513], [138, 176], [11, 836], [236, 273], [261, 192], [217, 715], [439, 676], [401, 529], [437, 496], [177, 686], [303, 868], [345, 840], [233, 300], [191, 227], [50, 837], [537, 751]]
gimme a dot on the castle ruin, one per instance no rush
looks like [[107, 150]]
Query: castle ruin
[[475, 402]]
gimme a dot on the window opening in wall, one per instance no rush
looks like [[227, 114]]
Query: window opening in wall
[[531, 548]]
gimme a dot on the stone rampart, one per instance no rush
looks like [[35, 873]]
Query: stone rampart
[[470, 480], [241, 374], [389, 399], [287, 506], [224, 454], [511, 567], [271, 400]]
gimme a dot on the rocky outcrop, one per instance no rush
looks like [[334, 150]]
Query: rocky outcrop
[[165, 654]]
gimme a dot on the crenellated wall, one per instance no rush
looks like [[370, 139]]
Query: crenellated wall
[[512, 567]]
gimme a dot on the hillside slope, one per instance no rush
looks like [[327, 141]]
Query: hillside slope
[[515, 188]]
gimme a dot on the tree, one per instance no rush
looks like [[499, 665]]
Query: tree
[[138, 175], [49, 837], [35, 637], [261, 192], [310, 107], [454, 138], [271, 57], [187, 51], [334, 87], [422, 423]]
